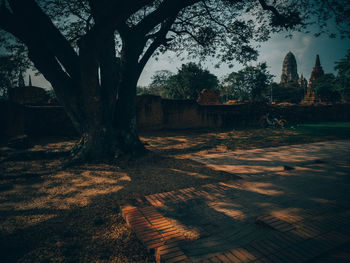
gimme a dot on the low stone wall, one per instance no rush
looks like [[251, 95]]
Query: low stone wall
[[18, 119], [155, 113]]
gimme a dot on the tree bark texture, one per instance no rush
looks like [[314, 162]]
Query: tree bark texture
[[107, 101]]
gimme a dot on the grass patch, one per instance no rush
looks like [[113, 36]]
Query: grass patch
[[209, 141], [270, 137], [339, 130]]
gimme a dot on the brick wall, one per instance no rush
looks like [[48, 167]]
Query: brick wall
[[155, 113]]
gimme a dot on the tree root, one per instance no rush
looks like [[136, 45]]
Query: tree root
[[86, 152]]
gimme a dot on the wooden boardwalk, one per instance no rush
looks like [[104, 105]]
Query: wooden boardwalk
[[270, 215]]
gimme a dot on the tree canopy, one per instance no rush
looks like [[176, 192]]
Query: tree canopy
[[250, 83], [187, 83], [287, 92], [190, 80], [159, 83], [326, 89], [343, 76], [11, 68]]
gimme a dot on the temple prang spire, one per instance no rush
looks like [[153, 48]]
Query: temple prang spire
[[317, 71], [289, 69], [318, 63]]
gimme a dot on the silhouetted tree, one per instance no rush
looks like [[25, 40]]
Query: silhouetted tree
[[343, 78], [250, 83], [159, 83], [288, 92], [93, 51], [10, 69], [189, 81], [326, 89]]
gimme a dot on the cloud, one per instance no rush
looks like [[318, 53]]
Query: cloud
[[301, 47]]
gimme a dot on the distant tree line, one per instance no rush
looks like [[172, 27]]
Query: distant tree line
[[186, 84], [252, 83], [11, 73], [248, 84]]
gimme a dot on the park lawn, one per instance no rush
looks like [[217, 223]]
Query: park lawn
[[50, 213]]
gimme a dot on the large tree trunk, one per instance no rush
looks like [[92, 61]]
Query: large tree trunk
[[107, 102], [126, 115], [97, 90]]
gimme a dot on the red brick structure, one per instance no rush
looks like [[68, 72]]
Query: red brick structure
[[289, 69], [303, 83], [155, 113], [208, 97], [28, 95], [316, 73]]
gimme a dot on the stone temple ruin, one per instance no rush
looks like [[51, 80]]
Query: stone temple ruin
[[290, 76], [208, 97], [316, 73], [28, 95], [289, 69]]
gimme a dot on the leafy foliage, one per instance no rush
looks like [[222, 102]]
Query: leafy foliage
[[140, 90], [11, 67], [325, 87], [15, 50], [228, 29], [189, 81], [160, 82], [343, 78], [287, 92], [250, 83]]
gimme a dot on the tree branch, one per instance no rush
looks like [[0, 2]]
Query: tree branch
[[64, 85], [40, 28], [184, 31], [167, 8], [45, 62], [160, 38], [112, 13], [206, 7], [265, 6], [286, 20]]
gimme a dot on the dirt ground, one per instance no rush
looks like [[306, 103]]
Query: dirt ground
[[49, 213]]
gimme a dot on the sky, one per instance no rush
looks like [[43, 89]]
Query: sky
[[305, 47]]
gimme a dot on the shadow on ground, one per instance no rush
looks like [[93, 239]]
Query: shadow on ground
[[53, 214]]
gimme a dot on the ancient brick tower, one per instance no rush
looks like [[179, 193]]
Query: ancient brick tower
[[289, 69], [303, 83], [316, 73]]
